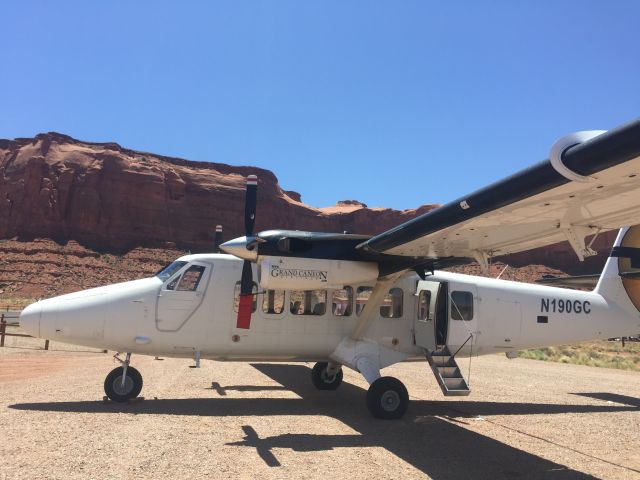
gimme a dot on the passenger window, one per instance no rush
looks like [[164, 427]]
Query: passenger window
[[273, 301], [392, 304], [461, 305], [191, 279], [341, 301], [424, 299], [308, 302], [236, 297], [362, 297]]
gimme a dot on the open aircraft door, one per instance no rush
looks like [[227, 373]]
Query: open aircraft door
[[430, 324], [181, 296]]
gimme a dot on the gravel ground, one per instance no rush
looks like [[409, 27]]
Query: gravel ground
[[524, 419]]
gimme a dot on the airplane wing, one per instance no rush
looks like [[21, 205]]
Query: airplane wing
[[583, 189]]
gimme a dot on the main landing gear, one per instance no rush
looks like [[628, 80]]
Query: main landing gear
[[387, 398], [123, 383], [326, 376]]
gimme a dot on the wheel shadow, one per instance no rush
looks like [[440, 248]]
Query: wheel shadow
[[432, 436]]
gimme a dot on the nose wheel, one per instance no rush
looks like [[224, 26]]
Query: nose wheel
[[325, 376], [123, 383]]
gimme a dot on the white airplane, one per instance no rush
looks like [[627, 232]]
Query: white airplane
[[369, 302]]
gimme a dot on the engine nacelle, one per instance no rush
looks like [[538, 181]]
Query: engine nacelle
[[294, 273]]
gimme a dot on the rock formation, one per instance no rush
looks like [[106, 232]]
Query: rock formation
[[111, 198]]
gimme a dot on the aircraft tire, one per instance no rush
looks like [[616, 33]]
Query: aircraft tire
[[132, 385], [387, 398], [320, 379]]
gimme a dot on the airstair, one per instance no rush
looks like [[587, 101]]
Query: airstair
[[447, 372]]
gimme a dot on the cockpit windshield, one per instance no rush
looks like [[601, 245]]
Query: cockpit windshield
[[169, 270]]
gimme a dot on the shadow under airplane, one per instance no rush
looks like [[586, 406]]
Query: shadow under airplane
[[431, 436], [612, 397]]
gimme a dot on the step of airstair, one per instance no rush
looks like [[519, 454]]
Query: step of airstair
[[447, 373]]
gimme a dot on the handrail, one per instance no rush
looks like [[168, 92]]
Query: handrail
[[465, 342]]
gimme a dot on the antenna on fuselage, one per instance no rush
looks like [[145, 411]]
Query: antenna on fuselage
[[217, 239], [503, 270]]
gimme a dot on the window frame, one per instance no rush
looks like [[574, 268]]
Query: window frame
[[265, 296], [427, 316], [359, 290], [393, 307], [202, 270], [305, 311], [180, 264], [457, 313], [172, 283], [349, 310]]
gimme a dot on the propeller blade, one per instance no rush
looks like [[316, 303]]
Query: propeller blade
[[217, 239], [245, 307], [251, 198], [246, 281]]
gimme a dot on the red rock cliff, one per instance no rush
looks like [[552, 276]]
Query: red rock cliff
[[111, 198]]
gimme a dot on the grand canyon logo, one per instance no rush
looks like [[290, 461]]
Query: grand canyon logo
[[298, 273]]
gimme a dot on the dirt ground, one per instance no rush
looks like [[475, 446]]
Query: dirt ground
[[524, 419]]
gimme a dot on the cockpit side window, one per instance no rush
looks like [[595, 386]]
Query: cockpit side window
[[191, 278], [166, 273]]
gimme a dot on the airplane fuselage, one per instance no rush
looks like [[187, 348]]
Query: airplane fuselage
[[481, 316]]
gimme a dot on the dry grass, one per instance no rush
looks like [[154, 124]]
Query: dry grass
[[603, 354]]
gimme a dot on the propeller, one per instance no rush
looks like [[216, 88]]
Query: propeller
[[245, 307], [217, 239]]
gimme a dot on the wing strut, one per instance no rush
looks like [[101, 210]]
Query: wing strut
[[379, 291], [575, 235], [482, 258]]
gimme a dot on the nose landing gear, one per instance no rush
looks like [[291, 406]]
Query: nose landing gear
[[326, 376], [123, 383]]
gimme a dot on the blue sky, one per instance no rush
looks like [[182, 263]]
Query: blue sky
[[394, 104]]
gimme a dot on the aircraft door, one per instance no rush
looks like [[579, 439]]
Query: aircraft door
[[425, 325], [463, 314], [504, 329], [181, 296]]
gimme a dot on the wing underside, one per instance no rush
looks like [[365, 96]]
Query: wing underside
[[535, 207]]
